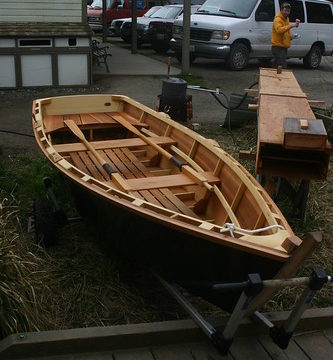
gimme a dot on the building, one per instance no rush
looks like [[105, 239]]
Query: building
[[44, 43]]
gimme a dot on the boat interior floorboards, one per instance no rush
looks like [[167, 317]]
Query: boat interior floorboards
[[130, 166]]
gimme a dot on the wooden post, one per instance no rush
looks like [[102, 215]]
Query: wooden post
[[186, 37], [134, 32], [289, 269], [105, 22]]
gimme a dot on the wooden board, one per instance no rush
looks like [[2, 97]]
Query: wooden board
[[273, 110], [284, 84], [316, 346], [56, 122], [312, 136], [156, 182], [113, 144], [280, 97]]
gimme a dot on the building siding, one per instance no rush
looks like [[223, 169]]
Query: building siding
[[41, 10]]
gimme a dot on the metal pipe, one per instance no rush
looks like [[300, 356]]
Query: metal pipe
[[207, 328], [198, 88]]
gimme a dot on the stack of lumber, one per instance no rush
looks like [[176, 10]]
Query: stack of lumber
[[292, 143]]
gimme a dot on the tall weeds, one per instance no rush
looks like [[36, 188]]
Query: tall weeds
[[20, 274]]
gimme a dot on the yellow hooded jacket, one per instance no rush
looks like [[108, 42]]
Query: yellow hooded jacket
[[281, 35]]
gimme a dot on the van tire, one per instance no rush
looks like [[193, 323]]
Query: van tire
[[312, 59], [238, 57]]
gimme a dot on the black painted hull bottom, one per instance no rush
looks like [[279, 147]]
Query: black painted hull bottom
[[176, 256]]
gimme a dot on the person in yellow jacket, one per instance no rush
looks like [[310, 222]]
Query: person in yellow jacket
[[281, 35]]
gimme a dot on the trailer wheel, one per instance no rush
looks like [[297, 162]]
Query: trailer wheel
[[45, 222]]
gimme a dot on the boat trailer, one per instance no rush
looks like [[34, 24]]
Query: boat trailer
[[222, 339]]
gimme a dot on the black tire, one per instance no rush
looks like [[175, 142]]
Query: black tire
[[179, 58], [312, 59], [238, 57], [45, 222]]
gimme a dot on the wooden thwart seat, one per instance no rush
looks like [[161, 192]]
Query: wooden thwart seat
[[113, 144], [157, 182], [91, 120]]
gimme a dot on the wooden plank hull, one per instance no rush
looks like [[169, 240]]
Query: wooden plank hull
[[162, 192], [176, 255]]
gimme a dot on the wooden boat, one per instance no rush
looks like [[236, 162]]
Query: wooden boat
[[162, 193]]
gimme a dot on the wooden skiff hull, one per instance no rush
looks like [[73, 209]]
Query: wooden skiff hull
[[172, 191], [176, 255]]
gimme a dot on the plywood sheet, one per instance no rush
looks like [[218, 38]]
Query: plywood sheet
[[284, 84]]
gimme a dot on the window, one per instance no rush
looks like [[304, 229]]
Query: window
[[297, 10], [265, 11], [168, 12], [319, 13], [229, 8], [34, 42], [98, 4], [72, 41]]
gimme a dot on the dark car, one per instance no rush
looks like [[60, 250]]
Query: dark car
[[161, 31], [143, 30], [114, 29]]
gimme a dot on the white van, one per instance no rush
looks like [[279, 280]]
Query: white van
[[236, 30]]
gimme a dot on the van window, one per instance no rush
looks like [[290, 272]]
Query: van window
[[265, 11], [98, 4], [119, 4], [231, 8], [168, 12], [319, 13], [297, 10]]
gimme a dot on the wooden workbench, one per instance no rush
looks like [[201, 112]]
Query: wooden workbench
[[280, 97]]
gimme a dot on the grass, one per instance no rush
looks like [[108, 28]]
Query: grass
[[22, 275], [74, 284]]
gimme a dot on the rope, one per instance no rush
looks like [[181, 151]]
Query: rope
[[231, 228]]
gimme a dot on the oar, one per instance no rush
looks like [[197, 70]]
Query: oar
[[162, 151], [76, 131], [158, 148]]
